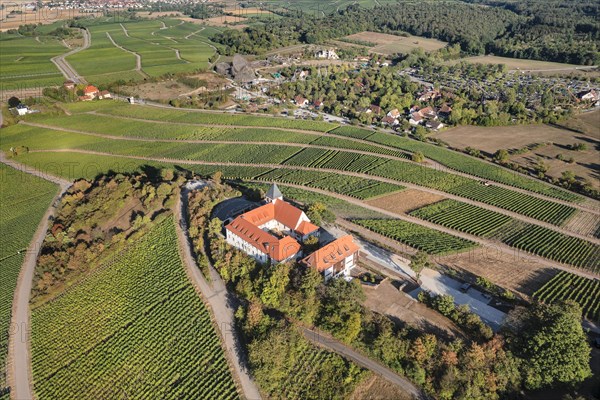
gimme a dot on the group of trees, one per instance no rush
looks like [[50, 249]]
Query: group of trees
[[97, 218], [554, 31], [484, 366]]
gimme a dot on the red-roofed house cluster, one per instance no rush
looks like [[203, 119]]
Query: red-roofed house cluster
[[272, 233]]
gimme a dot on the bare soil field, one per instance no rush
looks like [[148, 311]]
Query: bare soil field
[[508, 271], [226, 20], [171, 89], [517, 63], [386, 299], [391, 44], [488, 140], [377, 388], [587, 123], [405, 201], [159, 14], [44, 17], [245, 11]]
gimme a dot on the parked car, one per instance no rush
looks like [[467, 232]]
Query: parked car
[[597, 342], [465, 287]]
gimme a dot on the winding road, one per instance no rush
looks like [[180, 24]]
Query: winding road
[[63, 65], [138, 58], [19, 373], [219, 300]]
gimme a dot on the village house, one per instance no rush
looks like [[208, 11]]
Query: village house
[[91, 91], [395, 113], [318, 103], [415, 119], [430, 95], [329, 54], [336, 259], [390, 120], [445, 110], [300, 101], [271, 233], [105, 94], [375, 109], [435, 125], [588, 95], [69, 85]]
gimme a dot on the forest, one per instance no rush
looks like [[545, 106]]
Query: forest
[[561, 32]]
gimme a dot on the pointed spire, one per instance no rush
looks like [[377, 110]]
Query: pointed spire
[[273, 193]]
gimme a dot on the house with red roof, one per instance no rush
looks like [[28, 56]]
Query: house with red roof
[[91, 91], [272, 232], [335, 259]]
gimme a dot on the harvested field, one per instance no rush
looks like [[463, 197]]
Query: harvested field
[[377, 388], [391, 44], [226, 20], [405, 201], [158, 14], [43, 17], [510, 272], [587, 123], [386, 299], [246, 11], [488, 140], [517, 63], [584, 223]]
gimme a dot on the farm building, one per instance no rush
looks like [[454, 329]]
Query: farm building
[[105, 94], [22, 109], [69, 85], [335, 259], [300, 101], [270, 233], [91, 91]]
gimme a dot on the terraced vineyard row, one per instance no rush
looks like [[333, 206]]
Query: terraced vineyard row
[[173, 115], [459, 162], [567, 286], [347, 185], [417, 236], [550, 244], [541, 209], [341, 143], [24, 200], [462, 217], [135, 327]]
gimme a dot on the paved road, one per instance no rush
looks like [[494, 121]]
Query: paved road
[[19, 374], [365, 362], [63, 65], [219, 300]]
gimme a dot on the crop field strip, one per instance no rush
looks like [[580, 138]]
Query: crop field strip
[[154, 340], [399, 171], [86, 165], [567, 286], [531, 238], [460, 162], [417, 236], [25, 62], [24, 200]]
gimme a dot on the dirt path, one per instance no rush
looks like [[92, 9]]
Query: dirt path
[[138, 58], [324, 340], [493, 245], [19, 372], [63, 65], [356, 174], [218, 299]]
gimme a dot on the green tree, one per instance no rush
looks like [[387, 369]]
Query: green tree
[[419, 261], [274, 288], [418, 156], [551, 343], [501, 156]]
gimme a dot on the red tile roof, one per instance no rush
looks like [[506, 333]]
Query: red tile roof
[[277, 249], [306, 227], [90, 89], [331, 254]]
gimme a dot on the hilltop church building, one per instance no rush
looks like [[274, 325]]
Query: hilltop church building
[[272, 233]]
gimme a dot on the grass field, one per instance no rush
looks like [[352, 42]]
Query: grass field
[[393, 44], [24, 199], [517, 63], [135, 326]]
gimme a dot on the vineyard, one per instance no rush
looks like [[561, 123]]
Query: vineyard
[[550, 244], [184, 116], [134, 327], [417, 236], [459, 162], [567, 286], [462, 217]]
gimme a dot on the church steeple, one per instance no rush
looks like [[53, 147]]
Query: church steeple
[[273, 194]]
